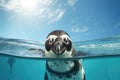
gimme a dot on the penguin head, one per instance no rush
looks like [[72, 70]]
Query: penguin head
[[58, 43]]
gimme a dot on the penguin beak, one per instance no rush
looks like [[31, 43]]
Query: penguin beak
[[59, 48]]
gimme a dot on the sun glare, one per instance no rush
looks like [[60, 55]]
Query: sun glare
[[28, 5], [40, 9]]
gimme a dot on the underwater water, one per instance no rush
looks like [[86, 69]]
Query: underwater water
[[25, 60]]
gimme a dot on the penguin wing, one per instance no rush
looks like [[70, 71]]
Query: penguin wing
[[46, 77], [80, 54], [84, 77]]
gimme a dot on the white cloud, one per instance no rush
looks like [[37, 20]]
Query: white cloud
[[26, 5], [71, 2], [79, 29], [56, 15], [75, 29], [43, 9]]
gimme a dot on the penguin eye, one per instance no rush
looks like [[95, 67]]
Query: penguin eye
[[65, 40], [51, 41]]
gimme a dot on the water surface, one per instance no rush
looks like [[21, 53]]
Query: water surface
[[100, 59]]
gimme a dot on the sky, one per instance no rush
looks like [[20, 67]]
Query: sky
[[81, 19]]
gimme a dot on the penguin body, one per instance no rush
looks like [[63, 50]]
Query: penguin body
[[58, 45]]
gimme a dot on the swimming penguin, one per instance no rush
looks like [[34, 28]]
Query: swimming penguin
[[11, 61], [59, 45]]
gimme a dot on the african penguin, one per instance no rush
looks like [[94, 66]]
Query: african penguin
[[59, 45]]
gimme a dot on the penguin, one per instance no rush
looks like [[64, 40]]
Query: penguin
[[58, 44]]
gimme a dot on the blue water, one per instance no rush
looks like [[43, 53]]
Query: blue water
[[28, 66], [23, 69]]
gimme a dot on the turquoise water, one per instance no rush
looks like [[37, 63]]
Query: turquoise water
[[103, 68], [28, 66], [23, 69]]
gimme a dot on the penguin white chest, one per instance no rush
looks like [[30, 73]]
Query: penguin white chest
[[64, 70]]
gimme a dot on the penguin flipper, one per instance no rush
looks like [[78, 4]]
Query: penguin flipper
[[41, 51], [45, 77], [84, 77]]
